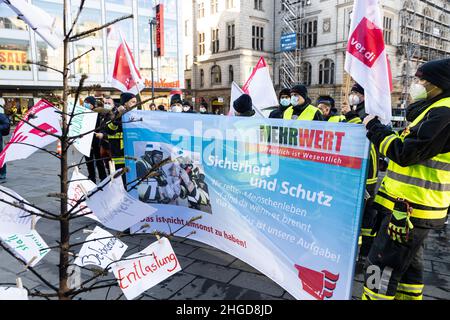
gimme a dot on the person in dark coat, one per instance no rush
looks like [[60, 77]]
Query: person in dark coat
[[243, 106], [284, 98]]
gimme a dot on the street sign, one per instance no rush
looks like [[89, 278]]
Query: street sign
[[288, 42]]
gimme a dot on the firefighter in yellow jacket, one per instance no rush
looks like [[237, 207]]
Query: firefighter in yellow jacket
[[301, 107], [415, 194]]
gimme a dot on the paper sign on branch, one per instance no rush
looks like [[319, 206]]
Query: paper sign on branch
[[101, 249], [13, 219], [83, 121], [146, 269], [115, 208], [13, 293], [75, 192], [30, 248]]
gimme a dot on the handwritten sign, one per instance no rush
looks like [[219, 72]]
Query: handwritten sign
[[30, 248], [13, 293], [13, 219], [83, 121], [101, 249], [146, 269], [115, 208], [80, 181]]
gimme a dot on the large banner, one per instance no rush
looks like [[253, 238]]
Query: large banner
[[283, 196]]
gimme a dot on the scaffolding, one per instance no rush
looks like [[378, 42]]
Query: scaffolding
[[424, 32], [292, 17]]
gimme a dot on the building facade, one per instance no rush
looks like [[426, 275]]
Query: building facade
[[22, 83], [228, 37], [226, 42]]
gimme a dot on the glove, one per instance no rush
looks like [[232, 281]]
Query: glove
[[400, 224]]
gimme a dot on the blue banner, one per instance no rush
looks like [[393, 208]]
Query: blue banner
[[288, 42], [283, 196]]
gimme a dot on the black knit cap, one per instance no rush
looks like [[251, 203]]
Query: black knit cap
[[326, 100], [436, 72], [284, 92], [357, 88], [243, 104], [187, 103], [91, 100], [125, 97], [176, 98], [301, 90]]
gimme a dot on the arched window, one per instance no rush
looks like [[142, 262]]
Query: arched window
[[306, 73], [216, 75], [202, 78], [230, 73], [326, 72]]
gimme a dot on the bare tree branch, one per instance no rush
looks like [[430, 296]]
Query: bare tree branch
[[76, 19], [52, 153], [90, 31], [81, 55], [27, 204], [41, 64]]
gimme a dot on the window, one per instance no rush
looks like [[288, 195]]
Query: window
[[258, 38], [326, 72], [387, 29], [202, 78], [230, 74], [215, 41], [188, 84], [231, 36], [216, 75], [230, 4], [201, 10], [258, 5], [309, 34], [201, 43], [214, 6], [306, 73]]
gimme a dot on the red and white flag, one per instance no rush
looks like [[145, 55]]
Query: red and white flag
[[26, 138], [366, 60], [260, 87], [126, 76]]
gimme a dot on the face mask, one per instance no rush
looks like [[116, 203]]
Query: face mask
[[186, 109], [177, 108], [108, 107], [354, 100], [418, 92], [202, 110], [295, 100], [285, 102], [87, 105]]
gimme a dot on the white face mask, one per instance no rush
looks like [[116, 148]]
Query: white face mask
[[202, 110], [177, 108], [418, 92], [354, 100], [295, 100], [285, 102], [186, 109], [107, 106]]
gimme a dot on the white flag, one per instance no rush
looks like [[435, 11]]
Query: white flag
[[260, 87], [236, 92], [26, 138], [366, 60], [115, 208], [13, 219], [38, 20]]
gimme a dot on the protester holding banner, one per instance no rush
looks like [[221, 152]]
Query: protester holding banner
[[187, 107], [95, 160], [301, 107], [243, 106], [176, 104], [284, 99], [203, 108], [327, 105], [114, 132], [415, 194]]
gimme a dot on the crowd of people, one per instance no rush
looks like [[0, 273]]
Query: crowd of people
[[414, 195]]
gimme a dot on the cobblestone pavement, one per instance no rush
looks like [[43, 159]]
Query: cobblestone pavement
[[207, 272]]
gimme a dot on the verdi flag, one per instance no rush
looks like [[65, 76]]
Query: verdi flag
[[260, 87], [126, 76], [27, 139], [366, 60]]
